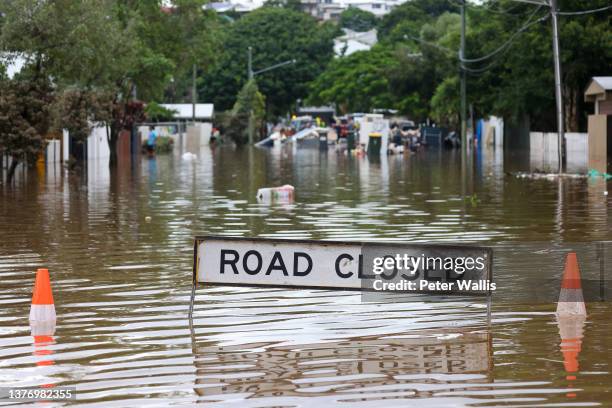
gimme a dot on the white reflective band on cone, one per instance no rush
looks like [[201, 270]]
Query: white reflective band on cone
[[571, 308], [42, 313], [42, 327]]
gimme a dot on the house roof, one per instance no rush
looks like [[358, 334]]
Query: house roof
[[604, 82], [185, 110], [597, 88]]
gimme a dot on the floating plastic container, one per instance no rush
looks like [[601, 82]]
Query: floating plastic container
[[283, 193]]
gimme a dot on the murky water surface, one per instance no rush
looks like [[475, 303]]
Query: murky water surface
[[121, 283]]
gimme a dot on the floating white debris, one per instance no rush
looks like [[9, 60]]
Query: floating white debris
[[283, 194], [548, 176]]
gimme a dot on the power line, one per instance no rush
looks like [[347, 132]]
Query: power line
[[579, 13], [491, 9], [431, 44], [510, 40]]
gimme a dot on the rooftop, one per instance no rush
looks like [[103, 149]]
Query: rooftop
[[185, 110]]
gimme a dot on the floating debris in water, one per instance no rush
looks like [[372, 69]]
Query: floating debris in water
[[546, 176], [279, 194]]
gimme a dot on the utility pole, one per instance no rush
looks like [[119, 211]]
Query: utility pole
[[558, 89], [250, 129], [251, 75], [193, 94], [557, 62], [464, 146], [462, 74], [250, 64]]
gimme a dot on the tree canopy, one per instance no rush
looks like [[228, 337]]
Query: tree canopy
[[276, 34], [357, 19], [103, 57], [101, 60], [415, 67]]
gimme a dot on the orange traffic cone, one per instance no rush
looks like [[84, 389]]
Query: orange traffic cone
[[43, 308], [571, 301]]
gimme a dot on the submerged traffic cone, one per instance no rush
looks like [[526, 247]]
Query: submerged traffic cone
[[571, 331], [43, 308], [571, 301], [43, 342]]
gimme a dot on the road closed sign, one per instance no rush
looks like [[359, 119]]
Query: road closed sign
[[385, 267]]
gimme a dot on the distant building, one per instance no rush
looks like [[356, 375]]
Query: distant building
[[239, 6], [320, 9], [353, 41]]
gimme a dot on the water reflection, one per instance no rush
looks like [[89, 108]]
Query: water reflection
[[42, 334], [119, 245], [416, 365], [571, 332]]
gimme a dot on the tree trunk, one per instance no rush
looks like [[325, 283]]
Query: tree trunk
[[571, 111], [112, 145], [11, 171]]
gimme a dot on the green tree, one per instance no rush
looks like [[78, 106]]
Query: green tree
[[402, 75], [445, 103], [187, 35], [408, 18], [157, 113], [108, 51], [357, 19], [276, 34], [356, 83], [62, 44], [24, 118], [250, 108], [520, 79]]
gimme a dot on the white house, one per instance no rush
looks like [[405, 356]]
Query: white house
[[320, 9]]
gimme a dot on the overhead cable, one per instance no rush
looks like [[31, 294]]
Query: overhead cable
[[579, 13], [510, 40]]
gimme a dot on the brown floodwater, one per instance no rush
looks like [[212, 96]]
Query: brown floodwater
[[119, 250]]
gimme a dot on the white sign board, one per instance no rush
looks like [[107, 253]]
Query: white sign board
[[343, 265], [278, 263]]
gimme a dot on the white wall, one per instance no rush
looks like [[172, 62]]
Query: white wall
[[544, 152], [97, 144], [65, 145], [52, 151], [498, 124], [493, 132], [577, 148], [198, 135]]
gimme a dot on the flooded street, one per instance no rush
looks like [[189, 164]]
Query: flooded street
[[119, 248]]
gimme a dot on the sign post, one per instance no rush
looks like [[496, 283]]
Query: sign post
[[362, 266]]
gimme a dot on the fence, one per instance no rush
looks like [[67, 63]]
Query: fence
[[544, 152]]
